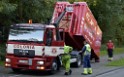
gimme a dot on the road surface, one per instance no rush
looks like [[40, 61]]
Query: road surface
[[99, 70], [114, 73]]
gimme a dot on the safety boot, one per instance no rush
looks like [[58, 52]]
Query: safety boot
[[85, 72], [66, 73], [70, 71], [110, 59], [90, 71]]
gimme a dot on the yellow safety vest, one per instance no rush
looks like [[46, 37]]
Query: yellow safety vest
[[88, 49]]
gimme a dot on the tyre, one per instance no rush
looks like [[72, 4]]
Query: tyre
[[54, 67], [16, 69]]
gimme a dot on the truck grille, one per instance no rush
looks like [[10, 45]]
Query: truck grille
[[24, 53], [23, 66]]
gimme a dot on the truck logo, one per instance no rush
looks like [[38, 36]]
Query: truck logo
[[54, 50], [17, 46]]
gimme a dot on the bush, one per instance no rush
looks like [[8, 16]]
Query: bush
[[2, 51]]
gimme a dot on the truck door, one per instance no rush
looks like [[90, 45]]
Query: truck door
[[49, 37]]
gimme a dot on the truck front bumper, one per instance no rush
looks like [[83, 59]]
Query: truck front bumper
[[28, 63]]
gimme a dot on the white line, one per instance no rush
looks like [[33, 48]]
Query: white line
[[14, 75]]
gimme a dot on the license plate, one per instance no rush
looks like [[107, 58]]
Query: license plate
[[23, 61], [30, 61]]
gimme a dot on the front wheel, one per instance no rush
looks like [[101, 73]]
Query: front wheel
[[54, 67]]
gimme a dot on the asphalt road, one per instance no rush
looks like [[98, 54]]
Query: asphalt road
[[76, 73], [4, 72], [114, 73], [99, 70]]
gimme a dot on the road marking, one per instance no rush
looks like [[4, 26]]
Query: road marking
[[14, 75], [100, 74]]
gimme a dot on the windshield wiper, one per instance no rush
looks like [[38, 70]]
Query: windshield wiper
[[33, 39], [19, 40]]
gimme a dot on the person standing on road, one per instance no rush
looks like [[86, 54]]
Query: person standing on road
[[86, 50], [110, 47], [66, 59]]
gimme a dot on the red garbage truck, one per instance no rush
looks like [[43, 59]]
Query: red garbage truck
[[35, 46]]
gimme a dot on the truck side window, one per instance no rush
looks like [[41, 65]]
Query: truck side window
[[49, 37]]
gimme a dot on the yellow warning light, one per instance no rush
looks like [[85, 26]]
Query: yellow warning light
[[30, 21], [41, 67]]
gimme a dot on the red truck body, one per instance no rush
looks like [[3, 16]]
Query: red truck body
[[79, 25], [29, 46]]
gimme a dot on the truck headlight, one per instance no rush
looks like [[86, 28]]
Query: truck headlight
[[8, 60], [40, 62]]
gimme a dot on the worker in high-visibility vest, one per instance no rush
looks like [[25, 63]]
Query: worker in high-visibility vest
[[86, 59], [66, 59]]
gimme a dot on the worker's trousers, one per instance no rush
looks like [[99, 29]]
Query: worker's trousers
[[86, 61], [110, 53], [66, 62]]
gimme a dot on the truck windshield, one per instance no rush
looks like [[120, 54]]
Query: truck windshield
[[26, 35]]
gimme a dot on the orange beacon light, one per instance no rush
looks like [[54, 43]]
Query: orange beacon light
[[30, 21]]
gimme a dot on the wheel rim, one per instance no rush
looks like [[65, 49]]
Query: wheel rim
[[54, 66]]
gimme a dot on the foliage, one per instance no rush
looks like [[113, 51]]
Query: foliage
[[6, 10], [1, 63], [6, 7], [2, 51], [37, 10]]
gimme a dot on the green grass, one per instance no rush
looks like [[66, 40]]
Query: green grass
[[119, 62], [1, 63]]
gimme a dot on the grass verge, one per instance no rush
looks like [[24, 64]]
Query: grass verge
[[1, 63], [119, 62]]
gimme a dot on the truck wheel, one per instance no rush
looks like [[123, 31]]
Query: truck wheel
[[54, 67], [16, 70], [78, 62]]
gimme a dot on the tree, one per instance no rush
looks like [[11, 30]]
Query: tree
[[6, 10]]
